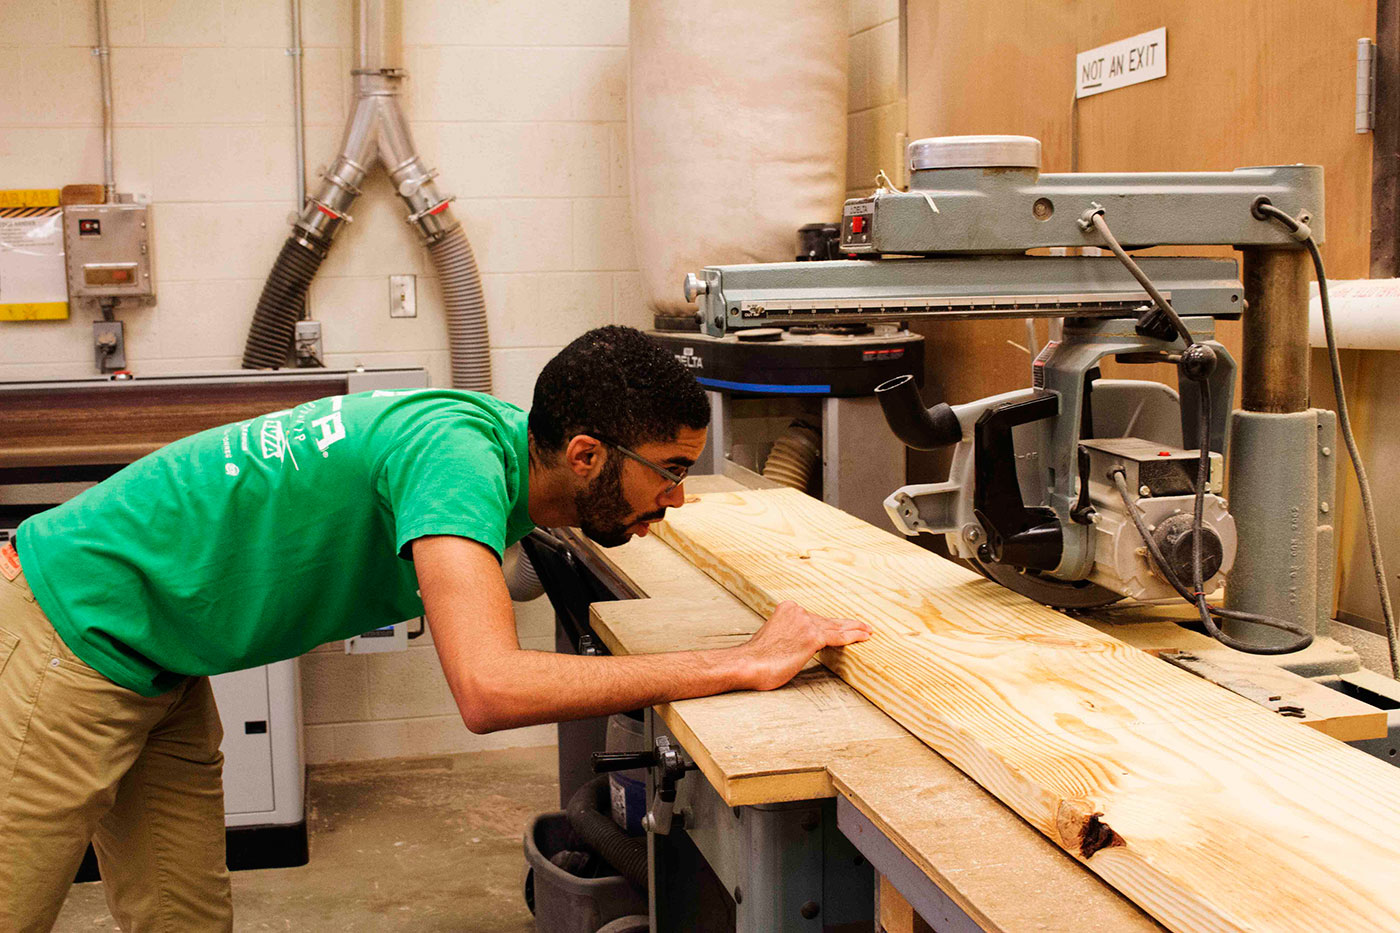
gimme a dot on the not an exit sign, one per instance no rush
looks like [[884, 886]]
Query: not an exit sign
[[1119, 64]]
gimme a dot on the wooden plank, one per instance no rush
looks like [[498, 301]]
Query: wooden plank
[[991, 863], [1207, 811], [1255, 678], [788, 736], [772, 746], [122, 422]]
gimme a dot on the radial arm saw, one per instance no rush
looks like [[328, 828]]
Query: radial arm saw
[[1054, 487]]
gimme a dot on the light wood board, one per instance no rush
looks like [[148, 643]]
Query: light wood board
[[753, 748], [1206, 810], [818, 737], [1254, 677]]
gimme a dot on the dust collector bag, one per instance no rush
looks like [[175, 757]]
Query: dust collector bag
[[737, 132]]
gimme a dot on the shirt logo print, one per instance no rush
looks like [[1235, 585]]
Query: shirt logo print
[[331, 427], [275, 444]]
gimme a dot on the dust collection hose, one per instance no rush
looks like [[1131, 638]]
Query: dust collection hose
[[795, 458], [521, 579], [627, 854], [280, 305], [465, 305]]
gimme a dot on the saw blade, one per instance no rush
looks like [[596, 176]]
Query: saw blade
[[1058, 594]]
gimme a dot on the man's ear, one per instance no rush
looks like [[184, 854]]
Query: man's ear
[[584, 455]]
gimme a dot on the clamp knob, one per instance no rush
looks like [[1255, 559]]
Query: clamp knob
[[672, 765], [695, 286]]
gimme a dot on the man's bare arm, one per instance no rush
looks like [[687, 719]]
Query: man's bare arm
[[499, 686]]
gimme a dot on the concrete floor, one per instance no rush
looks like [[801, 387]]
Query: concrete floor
[[423, 844]]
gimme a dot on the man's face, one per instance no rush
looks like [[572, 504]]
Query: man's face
[[626, 497]]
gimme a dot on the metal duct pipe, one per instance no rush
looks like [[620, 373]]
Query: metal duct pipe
[[104, 61], [378, 37], [297, 54], [377, 131]]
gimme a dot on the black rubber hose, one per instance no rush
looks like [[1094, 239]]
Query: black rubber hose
[[918, 427], [586, 812], [280, 305]]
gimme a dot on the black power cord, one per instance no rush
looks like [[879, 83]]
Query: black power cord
[[1263, 209], [1197, 363]]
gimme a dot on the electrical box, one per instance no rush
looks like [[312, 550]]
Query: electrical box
[[108, 251]]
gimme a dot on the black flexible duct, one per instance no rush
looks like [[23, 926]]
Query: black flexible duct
[[627, 854], [918, 427], [279, 307]]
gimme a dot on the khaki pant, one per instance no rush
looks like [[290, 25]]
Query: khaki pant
[[82, 759]]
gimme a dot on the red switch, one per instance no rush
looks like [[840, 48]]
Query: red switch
[[858, 223]]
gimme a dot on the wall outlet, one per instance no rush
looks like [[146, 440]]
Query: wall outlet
[[306, 344], [403, 297]]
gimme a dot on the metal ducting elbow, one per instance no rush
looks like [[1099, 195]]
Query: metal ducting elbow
[[376, 132]]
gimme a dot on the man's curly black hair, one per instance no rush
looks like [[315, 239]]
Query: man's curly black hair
[[617, 384]]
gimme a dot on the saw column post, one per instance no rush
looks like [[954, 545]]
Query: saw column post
[[1281, 459]]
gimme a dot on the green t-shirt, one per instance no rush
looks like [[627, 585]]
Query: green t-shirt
[[259, 540]]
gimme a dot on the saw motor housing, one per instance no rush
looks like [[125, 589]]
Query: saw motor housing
[[1030, 499]]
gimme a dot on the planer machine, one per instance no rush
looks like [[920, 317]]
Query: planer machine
[[1078, 490]]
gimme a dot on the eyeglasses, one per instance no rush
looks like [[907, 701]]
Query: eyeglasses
[[675, 476]]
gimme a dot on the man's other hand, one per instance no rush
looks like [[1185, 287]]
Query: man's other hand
[[788, 640]]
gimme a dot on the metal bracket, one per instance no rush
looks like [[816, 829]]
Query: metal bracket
[[1366, 61]]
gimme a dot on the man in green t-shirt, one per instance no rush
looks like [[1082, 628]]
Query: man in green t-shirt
[[257, 541]]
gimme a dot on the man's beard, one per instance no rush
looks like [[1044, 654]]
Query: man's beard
[[603, 511]]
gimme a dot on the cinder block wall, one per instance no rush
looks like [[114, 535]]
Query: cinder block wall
[[520, 103]]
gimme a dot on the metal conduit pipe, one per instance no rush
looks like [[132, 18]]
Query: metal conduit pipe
[[104, 61], [298, 54], [377, 132]]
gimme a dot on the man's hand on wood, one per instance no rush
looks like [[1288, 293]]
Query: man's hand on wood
[[788, 640]]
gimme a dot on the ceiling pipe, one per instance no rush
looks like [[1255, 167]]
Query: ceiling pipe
[[376, 132]]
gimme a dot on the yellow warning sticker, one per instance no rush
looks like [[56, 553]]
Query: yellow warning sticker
[[35, 311], [29, 197]]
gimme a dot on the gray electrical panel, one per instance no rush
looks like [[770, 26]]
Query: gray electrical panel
[[107, 248]]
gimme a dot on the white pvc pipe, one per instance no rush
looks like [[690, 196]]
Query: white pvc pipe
[[1365, 314]]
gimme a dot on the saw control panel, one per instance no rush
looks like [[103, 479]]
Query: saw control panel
[[857, 224]]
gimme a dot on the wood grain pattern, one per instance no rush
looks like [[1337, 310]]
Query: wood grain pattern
[[788, 736], [1324, 709], [1209, 812], [767, 747], [123, 422]]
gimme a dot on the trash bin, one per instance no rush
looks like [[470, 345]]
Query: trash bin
[[565, 902]]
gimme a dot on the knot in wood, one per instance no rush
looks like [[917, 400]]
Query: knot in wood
[[1081, 828]]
